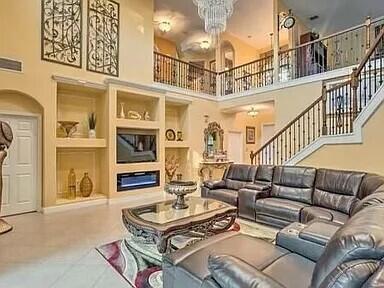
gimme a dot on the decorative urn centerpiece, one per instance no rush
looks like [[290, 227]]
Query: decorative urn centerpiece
[[180, 189]]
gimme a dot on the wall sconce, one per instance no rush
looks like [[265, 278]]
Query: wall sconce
[[252, 112], [205, 45], [165, 26]]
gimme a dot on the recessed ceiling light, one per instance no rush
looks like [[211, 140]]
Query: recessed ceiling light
[[205, 44], [249, 36], [165, 26]]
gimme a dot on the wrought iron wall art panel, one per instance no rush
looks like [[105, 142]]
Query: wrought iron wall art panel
[[61, 32], [103, 37]]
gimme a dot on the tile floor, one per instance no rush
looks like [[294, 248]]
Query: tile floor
[[57, 250]]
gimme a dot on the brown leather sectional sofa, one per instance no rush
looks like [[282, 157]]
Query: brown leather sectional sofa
[[282, 195], [333, 235]]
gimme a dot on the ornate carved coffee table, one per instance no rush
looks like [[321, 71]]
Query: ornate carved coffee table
[[157, 223]]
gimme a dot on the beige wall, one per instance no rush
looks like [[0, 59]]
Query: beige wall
[[166, 46], [20, 40], [367, 156]]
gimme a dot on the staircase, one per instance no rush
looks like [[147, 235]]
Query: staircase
[[333, 113]]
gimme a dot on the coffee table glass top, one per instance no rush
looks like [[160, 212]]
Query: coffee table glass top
[[163, 212]]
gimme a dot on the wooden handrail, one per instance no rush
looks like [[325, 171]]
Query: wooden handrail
[[370, 52], [184, 62], [322, 38], [246, 64], [289, 124], [350, 81]]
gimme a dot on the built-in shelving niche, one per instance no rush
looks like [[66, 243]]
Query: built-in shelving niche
[[177, 119], [75, 103]]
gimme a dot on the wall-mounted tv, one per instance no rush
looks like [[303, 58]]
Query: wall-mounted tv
[[135, 147]]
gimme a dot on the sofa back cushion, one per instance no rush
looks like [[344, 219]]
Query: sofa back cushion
[[336, 189], [354, 252], [238, 175], [264, 173], [371, 200], [293, 183], [370, 184]]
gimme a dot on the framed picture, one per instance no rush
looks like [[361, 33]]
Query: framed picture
[[250, 135]]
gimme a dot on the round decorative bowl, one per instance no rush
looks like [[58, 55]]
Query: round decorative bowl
[[180, 189]]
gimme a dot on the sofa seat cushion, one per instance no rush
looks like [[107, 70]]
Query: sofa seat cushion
[[235, 184], [226, 195], [187, 267], [280, 208], [291, 270], [314, 212]]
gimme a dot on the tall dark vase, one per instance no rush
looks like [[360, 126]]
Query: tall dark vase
[[6, 138]]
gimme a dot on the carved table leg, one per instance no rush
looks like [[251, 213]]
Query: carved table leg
[[163, 245]]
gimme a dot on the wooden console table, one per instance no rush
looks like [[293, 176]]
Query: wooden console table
[[208, 167]]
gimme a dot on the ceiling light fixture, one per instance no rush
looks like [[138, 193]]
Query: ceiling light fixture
[[252, 112], [165, 26], [205, 45], [215, 14]]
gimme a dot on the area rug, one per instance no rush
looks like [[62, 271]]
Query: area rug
[[140, 264]]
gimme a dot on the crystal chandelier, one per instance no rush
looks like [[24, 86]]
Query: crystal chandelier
[[215, 14]]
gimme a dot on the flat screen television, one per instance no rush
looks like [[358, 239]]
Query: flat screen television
[[136, 148]]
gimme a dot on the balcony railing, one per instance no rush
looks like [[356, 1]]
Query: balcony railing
[[258, 73], [171, 71], [339, 50]]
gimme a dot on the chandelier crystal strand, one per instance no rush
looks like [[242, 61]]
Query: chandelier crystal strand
[[215, 13]]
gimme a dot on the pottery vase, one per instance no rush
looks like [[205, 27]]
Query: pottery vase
[[92, 133], [86, 186]]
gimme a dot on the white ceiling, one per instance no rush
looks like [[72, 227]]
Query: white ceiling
[[250, 18], [335, 15]]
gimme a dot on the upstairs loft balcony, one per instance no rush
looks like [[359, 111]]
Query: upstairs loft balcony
[[342, 49]]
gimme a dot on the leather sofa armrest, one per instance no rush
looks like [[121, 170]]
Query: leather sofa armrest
[[231, 272], [214, 184], [258, 186], [319, 232], [289, 239], [247, 199]]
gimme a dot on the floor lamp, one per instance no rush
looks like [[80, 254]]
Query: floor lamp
[[6, 138]]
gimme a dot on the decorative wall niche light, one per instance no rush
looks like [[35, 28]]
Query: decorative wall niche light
[[165, 26]]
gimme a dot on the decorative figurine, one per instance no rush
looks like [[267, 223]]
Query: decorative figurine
[[134, 115], [6, 138], [146, 116]]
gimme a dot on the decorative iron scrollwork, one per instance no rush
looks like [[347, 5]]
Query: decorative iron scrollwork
[[61, 31], [103, 37]]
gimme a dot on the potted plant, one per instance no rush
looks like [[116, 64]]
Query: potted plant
[[92, 125]]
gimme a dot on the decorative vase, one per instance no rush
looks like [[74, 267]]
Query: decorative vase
[[86, 186], [92, 133], [71, 184], [69, 127], [122, 112]]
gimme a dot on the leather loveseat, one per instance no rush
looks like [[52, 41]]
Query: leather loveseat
[[352, 256], [282, 195]]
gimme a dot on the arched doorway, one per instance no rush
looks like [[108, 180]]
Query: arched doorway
[[22, 169], [227, 55]]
